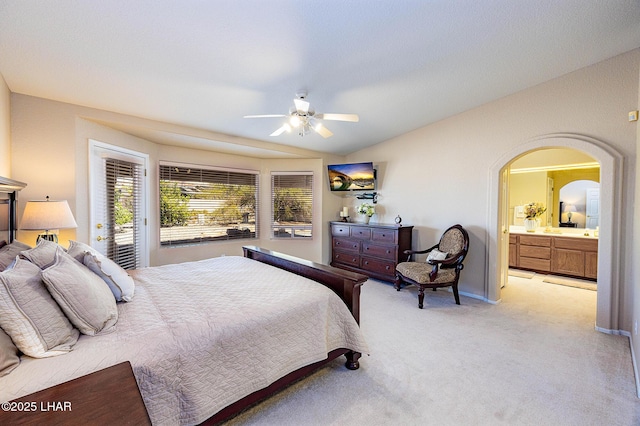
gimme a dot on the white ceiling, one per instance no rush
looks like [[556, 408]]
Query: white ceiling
[[399, 64]]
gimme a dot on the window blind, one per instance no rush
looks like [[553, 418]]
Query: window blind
[[292, 204], [123, 209], [200, 205]]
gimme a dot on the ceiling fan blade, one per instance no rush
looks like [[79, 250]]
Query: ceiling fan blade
[[265, 116], [285, 128], [322, 131], [301, 106], [339, 117]]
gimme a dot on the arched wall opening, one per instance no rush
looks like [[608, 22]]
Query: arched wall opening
[[607, 315]]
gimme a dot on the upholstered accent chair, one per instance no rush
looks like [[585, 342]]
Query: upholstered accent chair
[[442, 267]]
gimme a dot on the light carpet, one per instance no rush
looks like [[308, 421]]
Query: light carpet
[[534, 359]]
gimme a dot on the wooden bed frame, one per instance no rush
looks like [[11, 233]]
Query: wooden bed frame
[[345, 284]]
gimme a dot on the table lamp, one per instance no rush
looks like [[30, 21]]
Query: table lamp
[[570, 209], [48, 216]]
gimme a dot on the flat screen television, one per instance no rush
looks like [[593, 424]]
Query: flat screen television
[[352, 177]]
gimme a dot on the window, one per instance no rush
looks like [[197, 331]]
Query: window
[[200, 205], [119, 204], [292, 204]]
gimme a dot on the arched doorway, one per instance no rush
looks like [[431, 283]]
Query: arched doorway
[[607, 318]]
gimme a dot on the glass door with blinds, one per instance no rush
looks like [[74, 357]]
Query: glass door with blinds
[[118, 204]]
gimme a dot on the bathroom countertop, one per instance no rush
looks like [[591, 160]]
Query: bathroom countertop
[[556, 232]]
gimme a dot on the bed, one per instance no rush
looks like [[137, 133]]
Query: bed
[[207, 339]]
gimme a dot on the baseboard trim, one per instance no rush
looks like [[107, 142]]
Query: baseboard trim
[[635, 366]]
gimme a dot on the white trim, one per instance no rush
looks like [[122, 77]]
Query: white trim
[[609, 243], [635, 366]]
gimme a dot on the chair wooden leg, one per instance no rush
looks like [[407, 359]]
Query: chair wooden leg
[[455, 293], [397, 282], [421, 297]]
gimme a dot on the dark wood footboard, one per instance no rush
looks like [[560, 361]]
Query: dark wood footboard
[[345, 284]]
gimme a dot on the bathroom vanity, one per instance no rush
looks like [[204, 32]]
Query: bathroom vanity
[[555, 252]]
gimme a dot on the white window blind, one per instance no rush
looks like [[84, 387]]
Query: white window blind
[[292, 204], [123, 209], [200, 205]]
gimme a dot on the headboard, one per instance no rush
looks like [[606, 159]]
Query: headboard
[[8, 208]]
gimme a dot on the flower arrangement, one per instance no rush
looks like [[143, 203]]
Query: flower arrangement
[[366, 209], [534, 210]]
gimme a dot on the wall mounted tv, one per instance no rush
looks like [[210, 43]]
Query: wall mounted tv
[[352, 177]]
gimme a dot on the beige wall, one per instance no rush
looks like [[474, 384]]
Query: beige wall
[[5, 129], [635, 250], [525, 188], [438, 175], [50, 153]]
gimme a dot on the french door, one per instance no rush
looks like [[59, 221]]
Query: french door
[[118, 188]]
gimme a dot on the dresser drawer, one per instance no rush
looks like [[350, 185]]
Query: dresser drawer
[[346, 244], [385, 252], [346, 258], [361, 232], [340, 230], [532, 263], [533, 240], [535, 251], [382, 236], [584, 244], [378, 266]]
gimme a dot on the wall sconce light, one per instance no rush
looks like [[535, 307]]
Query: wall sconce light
[[48, 216]]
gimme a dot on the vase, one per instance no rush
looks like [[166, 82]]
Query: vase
[[367, 219], [530, 225]]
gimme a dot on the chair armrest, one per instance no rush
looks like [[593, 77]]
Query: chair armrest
[[452, 260]]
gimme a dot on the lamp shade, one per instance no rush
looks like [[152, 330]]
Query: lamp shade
[[47, 215], [570, 208]]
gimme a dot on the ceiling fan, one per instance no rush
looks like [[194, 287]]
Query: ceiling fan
[[303, 118]]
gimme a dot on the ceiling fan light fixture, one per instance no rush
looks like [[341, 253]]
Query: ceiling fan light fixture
[[295, 120]]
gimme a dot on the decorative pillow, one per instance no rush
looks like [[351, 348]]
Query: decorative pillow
[[9, 358], [77, 250], [9, 252], [82, 295], [3, 243], [29, 314], [435, 254], [118, 280], [42, 255]]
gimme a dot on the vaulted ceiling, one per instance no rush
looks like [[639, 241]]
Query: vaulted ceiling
[[398, 64]]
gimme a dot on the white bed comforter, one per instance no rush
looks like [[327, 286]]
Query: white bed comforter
[[201, 335]]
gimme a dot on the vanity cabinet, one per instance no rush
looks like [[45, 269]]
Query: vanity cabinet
[[573, 256], [370, 249]]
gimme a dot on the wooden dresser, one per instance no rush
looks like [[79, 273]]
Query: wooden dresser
[[371, 249]]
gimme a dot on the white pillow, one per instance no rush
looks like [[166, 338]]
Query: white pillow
[[435, 254], [118, 280], [82, 295], [42, 255], [29, 314]]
